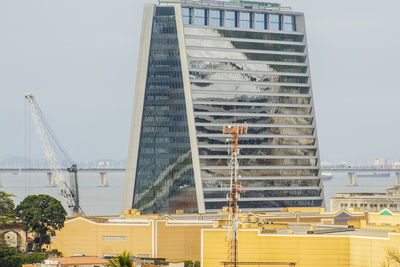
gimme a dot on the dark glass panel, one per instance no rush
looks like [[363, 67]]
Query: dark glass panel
[[247, 77], [248, 88], [206, 129], [271, 47], [276, 182], [276, 204], [248, 98], [260, 162], [244, 66], [234, 54], [259, 151], [225, 43], [266, 193], [261, 172], [282, 36], [260, 141], [252, 119], [164, 179], [252, 109]]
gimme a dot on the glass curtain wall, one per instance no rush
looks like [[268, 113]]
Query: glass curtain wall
[[164, 177]]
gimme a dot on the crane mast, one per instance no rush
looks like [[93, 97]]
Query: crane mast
[[47, 140]]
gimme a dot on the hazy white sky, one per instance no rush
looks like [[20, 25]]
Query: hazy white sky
[[79, 59]]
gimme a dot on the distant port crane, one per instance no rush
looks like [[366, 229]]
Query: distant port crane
[[56, 156]]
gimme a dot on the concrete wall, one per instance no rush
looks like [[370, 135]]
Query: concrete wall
[[86, 237], [158, 238], [305, 250]]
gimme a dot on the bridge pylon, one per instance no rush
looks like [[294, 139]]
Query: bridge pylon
[[352, 179]]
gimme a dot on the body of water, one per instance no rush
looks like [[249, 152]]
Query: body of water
[[97, 200]]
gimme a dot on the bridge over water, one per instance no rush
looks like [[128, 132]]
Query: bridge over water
[[352, 173], [103, 178], [103, 173]]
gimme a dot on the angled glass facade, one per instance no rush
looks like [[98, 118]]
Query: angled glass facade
[[164, 175], [240, 64]]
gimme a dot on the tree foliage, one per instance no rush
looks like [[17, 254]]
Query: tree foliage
[[11, 257], [42, 215], [7, 208], [122, 260], [190, 263], [392, 258]]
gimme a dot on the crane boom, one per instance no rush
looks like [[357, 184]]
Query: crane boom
[[46, 135]]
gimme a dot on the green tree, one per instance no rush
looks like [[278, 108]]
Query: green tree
[[122, 260], [7, 209], [42, 215], [9, 257], [34, 257], [188, 263]]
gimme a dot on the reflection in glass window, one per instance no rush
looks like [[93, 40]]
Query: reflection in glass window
[[275, 22], [187, 15], [260, 21], [215, 18], [230, 19], [164, 175], [245, 20], [289, 24], [200, 17]]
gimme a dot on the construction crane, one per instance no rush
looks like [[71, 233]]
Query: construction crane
[[56, 156], [233, 195]]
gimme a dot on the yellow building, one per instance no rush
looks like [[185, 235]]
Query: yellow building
[[307, 237], [152, 235]]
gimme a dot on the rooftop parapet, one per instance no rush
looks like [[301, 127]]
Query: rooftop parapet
[[236, 4]]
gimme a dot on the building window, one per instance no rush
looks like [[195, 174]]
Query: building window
[[290, 25], [216, 18], [275, 22], [114, 238], [187, 15], [260, 21], [200, 17], [245, 20], [231, 19]]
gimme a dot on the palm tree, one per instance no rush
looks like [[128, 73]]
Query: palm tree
[[392, 258], [122, 260]]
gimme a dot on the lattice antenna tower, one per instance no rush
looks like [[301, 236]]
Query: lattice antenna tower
[[234, 131]]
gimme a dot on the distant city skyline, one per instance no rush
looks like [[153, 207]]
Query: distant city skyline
[[79, 60]]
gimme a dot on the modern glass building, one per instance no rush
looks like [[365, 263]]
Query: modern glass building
[[205, 64]]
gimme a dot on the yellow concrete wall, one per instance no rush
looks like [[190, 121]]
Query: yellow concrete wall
[[252, 247], [179, 242], [307, 251], [384, 219], [82, 236]]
